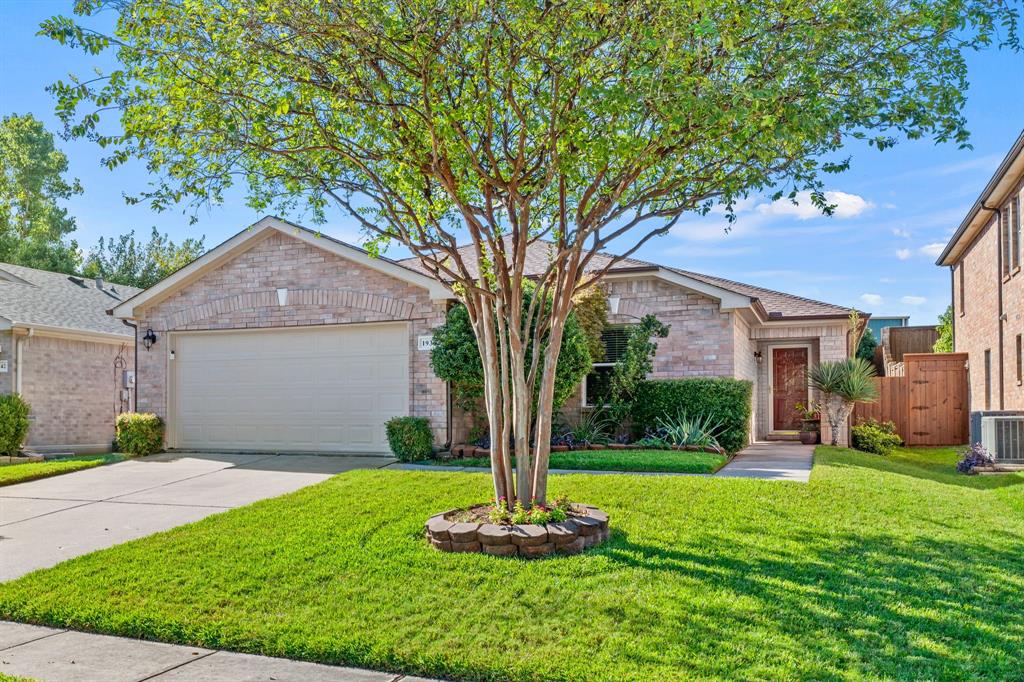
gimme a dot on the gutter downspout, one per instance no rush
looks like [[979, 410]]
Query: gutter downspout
[[135, 364], [19, 358], [999, 297]]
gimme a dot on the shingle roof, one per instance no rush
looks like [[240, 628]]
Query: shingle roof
[[777, 303], [29, 296]]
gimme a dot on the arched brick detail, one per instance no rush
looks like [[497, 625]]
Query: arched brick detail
[[336, 298]]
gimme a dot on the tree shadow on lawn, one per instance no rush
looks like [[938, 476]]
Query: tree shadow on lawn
[[834, 604]]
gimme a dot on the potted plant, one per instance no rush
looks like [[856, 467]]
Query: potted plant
[[810, 417]]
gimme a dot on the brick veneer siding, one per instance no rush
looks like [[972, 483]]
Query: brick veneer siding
[[323, 289], [977, 323], [745, 367], [73, 390], [700, 341]]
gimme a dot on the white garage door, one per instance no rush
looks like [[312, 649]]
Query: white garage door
[[324, 389]]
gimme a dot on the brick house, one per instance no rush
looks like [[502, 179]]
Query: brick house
[[65, 356], [283, 339], [984, 259]]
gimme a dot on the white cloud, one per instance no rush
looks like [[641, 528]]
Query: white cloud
[[903, 254], [872, 299], [933, 250], [901, 233], [913, 300], [846, 206]]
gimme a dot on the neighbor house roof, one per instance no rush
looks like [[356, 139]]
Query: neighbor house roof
[[1002, 182], [52, 300], [776, 304]]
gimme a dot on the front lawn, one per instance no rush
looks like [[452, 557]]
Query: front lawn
[[674, 461], [881, 567], [30, 471]]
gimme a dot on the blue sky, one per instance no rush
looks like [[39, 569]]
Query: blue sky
[[895, 208]]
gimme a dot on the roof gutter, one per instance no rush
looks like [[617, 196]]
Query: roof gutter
[[994, 187]]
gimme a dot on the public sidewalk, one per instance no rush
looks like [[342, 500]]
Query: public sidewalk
[[50, 655]]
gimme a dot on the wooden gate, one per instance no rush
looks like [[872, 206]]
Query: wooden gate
[[928, 404]]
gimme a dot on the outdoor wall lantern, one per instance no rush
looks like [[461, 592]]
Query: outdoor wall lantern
[[757, 356], [149, 338]]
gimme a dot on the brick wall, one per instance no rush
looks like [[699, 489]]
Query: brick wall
[[73, 390], [701, 337], [977, 324], [746, 367], [700, 341], [323, 289]]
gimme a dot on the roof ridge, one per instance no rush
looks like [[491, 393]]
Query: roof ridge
[[756, 286]]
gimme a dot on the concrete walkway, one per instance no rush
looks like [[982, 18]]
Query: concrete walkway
[[47, 521], [773, 461], [50, 655]]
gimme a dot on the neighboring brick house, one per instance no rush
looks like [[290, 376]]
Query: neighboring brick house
[[984, 258], [65, 356], [283, 339]]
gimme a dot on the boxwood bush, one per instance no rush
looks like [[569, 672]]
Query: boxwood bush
[[724, 401], [13, 423], [879, 438], [410, 438], [139, 433]]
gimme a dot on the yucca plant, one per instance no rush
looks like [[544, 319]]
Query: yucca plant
[[593, 428], [842, 385], [699, 430]]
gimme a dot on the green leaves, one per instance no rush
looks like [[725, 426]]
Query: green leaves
[[427, 111]]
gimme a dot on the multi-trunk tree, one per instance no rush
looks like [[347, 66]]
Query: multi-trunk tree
[[585, 124]]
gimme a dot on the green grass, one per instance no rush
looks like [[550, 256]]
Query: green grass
[[675, 461], [30, 471], [880, 568]]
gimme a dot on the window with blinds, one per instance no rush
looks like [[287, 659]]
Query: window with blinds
[[1015, 231], [597, 384], [1009, 231]]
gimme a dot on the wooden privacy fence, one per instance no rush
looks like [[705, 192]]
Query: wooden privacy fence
[[928, 403]]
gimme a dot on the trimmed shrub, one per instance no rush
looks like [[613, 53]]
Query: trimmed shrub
[[139, 433], [877, 437], [723, 401], [410, 438], [13, 423]]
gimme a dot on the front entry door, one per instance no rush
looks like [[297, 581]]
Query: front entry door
[[789, 387]]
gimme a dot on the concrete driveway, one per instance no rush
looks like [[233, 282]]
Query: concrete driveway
[[50, 520]]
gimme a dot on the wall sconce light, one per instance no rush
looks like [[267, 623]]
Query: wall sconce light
[[758, 356], [613, 304], [149, 338]]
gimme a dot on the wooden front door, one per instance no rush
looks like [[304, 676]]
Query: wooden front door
[[789, 387]]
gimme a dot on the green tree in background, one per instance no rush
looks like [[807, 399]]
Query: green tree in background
[[866, 346], [33, 227], [502, 122], [944, 344], [127, 261]]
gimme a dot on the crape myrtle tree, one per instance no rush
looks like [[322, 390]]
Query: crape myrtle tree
[[581, 123]]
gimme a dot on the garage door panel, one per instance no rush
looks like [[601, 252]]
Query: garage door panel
[[311, 389]]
